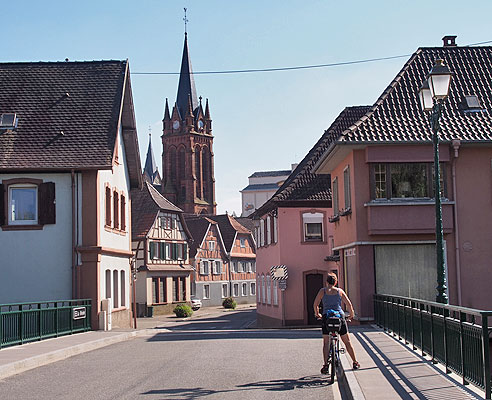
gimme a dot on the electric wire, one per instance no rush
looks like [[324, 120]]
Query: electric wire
[[299, 67]]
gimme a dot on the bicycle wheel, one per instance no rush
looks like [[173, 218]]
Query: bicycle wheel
[[332, 363]]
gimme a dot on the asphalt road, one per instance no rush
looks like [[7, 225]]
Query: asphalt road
[[209, 357]]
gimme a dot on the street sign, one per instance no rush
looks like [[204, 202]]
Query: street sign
[[279, 272], [79, 312], [282, 284]]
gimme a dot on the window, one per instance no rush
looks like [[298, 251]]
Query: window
[[123, 288], [206, 291], [241, 266], [234, 266], [253, 266], [313, 227], [166, 222], [405, 180], [224, 290], [108, 284], [248, 267], [108, 206], [346, 187], [268, 231], [204, 270], [23, 205], [236, 290], [115, 289], [263, 289], [252, 289], [159, 290], [275, 231], [211, 246], [216, 267], [336, 209], [178, 288], [167, 251], [123, 213], [30, 203], [244, 289], [275, 293], [262, 232], [116, 209], [242, 242], [269, 290]]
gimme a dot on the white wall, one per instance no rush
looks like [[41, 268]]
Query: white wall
[[36, 265]]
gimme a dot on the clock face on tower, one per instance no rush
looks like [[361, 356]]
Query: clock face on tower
[[176, 124]]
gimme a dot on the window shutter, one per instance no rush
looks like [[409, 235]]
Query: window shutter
[[202, 269], [185, 251], [174, 251], [162, 250], [2, 205], [152, 251], [46, 203]]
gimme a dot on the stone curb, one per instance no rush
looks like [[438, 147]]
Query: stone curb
[[348, 381], [20, 366]]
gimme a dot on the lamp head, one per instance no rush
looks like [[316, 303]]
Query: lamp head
[[439, 79]]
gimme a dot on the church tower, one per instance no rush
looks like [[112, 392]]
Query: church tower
[[187, 156]]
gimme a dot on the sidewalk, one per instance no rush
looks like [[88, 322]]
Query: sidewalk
[[391, 370]]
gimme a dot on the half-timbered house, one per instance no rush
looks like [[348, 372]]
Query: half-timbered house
[[160, 245]]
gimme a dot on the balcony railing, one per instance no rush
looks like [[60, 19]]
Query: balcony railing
[[457, 337], [26, 322]]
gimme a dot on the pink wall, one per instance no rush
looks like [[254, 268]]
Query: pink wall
[[299, 257]]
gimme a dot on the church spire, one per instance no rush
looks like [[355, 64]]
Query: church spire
[[186, 85], [150, 169], [167, 116]]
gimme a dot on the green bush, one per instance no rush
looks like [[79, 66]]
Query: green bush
[[229, 302], [183, 310]]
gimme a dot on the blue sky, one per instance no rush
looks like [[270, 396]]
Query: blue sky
[[262, 121]]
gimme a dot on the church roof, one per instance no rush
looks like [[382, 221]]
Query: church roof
[[150, 168], [186, 85]]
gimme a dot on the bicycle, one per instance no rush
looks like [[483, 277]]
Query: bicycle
[[333, 324]]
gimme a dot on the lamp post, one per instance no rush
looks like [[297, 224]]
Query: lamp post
[[432, 94]]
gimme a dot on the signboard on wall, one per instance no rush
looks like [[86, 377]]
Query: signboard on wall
[[279, 272], [79, 312]]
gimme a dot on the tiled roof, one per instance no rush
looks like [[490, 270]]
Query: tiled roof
[[198, 227], [67, 114], [246, 222], [146, 204], [302, 184], [261, 186], [397, 117], [228, 227], [263, 174]]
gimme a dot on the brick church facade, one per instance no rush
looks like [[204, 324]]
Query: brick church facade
[[187, 157]]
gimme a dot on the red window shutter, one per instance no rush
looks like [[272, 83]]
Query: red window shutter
[[123, 213], [108, 206], [46, 203], [2, 205]]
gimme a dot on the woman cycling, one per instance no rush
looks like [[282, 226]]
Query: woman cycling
[[332, 298]]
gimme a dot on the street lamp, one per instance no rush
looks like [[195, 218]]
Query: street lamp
[[432, 94]]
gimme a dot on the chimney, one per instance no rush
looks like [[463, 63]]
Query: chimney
[[449, 41]]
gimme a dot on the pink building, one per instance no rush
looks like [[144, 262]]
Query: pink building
[[293, 230], [381, 172]]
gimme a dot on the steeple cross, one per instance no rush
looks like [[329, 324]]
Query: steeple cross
[[185, 20]]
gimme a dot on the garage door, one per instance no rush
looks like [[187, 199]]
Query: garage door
[[406, 270]]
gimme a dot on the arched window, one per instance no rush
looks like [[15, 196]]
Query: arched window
[[198, 172], [181, 163], [172, 162], [206, 172]]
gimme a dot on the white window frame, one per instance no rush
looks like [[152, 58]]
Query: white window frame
[[252, 288], [36, 204], [269, 289], [226, 286], [262, 232], [275, 230], [235, 290], [268, 231], [240, 266], [242, 242], [211, 245], [204, 267], [205, 289], [275, 293], [244, 289], [346, 187], [263, 289], [312, 218]]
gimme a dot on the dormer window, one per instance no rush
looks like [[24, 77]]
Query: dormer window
[[8, 120], [471, 103]]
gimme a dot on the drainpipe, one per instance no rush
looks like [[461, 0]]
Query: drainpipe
[[456, 145], [74, 254]]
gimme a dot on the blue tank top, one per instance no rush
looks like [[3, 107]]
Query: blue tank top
[[332, 302]]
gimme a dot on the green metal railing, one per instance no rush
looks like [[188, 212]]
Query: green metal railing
[[457, 337], [26, 322]]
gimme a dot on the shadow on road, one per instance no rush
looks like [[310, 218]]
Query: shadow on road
[[277, 385]]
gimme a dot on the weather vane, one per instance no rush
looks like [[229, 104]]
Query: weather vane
[[150, 130], [185, 20]]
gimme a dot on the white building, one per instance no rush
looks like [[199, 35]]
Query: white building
[[262, 186]]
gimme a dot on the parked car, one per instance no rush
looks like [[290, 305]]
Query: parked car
[[196, 303]]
